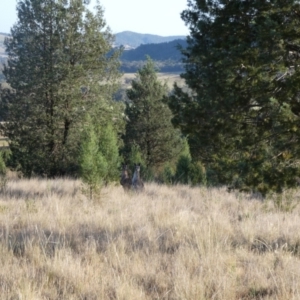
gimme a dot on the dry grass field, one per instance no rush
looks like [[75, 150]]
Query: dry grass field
[[166, 243]]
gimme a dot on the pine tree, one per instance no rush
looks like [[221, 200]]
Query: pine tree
[[60, 66], [3, 105], [99, 156], [93, 166], [241, 113], [108, 147], [149, 124]]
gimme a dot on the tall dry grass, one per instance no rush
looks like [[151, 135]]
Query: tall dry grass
[[166, 243]]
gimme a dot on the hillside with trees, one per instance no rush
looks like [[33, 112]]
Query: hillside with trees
[[238, 115], [59, 120], [167, 56], [130, 39]]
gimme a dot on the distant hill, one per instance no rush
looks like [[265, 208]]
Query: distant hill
[[131, 39], [166, 55], [161, 51]]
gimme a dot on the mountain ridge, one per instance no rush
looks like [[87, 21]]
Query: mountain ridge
[[127, 39], [163, 50], [131, 39], [167, 56]]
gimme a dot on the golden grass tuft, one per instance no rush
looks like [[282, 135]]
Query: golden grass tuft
[[166, 243]]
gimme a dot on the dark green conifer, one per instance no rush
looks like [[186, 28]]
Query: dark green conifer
[[60, 66], [149, 124], [99, 158], [241, 113]]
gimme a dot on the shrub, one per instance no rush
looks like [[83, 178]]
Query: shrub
[[182, 174], [197, 173], [190, 172]]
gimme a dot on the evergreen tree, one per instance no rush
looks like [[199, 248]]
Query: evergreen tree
[[149, 124], [188, 171], [2, 165], [108, 147], [99, 156], [60, 67], [241, 113], [92, 164], [5, 95]]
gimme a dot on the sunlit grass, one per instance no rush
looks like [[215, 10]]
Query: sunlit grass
[[166, 243]]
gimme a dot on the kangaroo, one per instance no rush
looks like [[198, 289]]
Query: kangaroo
[[137, 183], [125, 180]]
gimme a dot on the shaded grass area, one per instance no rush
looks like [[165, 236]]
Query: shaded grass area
[[166, 243]]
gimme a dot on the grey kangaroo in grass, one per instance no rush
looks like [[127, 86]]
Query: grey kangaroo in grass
[[137, 183], [125, 181]]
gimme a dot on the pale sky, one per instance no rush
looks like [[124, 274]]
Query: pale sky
[[161, 17]]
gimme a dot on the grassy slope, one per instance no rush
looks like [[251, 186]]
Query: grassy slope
[[167, 243]]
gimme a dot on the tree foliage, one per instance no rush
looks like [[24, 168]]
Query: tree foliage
[[149, 124], [92, 164], [99, 156], [2, 165], [108, 146], [59, 70], [242, 111], [3, 105], [189, 171]]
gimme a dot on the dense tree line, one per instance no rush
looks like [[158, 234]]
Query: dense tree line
[[59, 112], [242, 112], [236, 124]]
